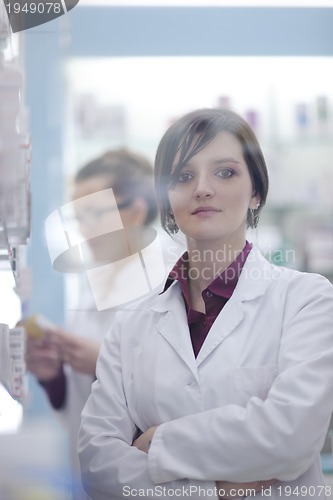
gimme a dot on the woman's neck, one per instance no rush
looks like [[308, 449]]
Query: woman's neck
[[209, 259]]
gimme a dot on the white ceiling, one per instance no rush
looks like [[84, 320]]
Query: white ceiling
[[211, 3]]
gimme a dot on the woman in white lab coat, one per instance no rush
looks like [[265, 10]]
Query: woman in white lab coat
[[221, 385], [65, 361]]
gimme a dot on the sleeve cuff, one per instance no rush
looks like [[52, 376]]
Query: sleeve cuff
[[56, 390]]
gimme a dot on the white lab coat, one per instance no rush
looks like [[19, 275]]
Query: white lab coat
[[88, 322], [254, 405]]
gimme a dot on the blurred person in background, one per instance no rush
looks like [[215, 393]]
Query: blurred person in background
[[64, 361], [220, 385]]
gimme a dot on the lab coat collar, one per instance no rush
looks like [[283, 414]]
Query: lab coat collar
[[255, 276], [253, 282]]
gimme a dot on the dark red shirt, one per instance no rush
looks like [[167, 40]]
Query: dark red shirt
[[215, 296]]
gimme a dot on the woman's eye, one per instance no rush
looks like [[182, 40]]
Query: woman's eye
[[225, 173], [185, 177]]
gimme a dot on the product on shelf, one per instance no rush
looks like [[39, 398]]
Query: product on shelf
[[14, 159], [15, 204], [5, 361], [12, 361], [17, 349]]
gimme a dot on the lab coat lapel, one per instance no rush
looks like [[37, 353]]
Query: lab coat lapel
[[172, 325], [172, 322], [229, 318], [252, 283]]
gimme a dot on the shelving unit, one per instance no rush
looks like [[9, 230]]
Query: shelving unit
[[300, 205], [14, 220]]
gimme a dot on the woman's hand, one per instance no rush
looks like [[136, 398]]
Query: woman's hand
[[228, 489], [43, 357], [79, 352], [143, 441]]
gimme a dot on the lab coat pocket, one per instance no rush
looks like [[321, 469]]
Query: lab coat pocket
[[256, 381]]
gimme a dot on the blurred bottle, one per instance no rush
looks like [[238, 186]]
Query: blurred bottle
[[322, 116], [252, 118], [302, 119], [224, 102]]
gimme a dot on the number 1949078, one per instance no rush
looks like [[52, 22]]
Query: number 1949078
[[304, 491], [34, 8]]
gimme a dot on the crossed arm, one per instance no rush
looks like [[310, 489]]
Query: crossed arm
[[143, 443]]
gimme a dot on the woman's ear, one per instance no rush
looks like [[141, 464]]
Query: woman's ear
[[255, 200]]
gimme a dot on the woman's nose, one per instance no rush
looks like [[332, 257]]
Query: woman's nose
[[203, 187]]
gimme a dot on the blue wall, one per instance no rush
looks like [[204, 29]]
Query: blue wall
[[170, 31]]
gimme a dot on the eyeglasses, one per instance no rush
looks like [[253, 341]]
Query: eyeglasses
[[95, 215]]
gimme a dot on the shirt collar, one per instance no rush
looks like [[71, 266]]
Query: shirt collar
[[223, 285]]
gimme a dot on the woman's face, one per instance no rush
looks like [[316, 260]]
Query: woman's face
[[213, 193], [95, 215]]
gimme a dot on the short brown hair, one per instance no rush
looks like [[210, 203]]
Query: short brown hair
[[131, 176]]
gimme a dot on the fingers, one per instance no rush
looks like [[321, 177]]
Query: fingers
[[43, 362], [53, 347], [230, 488], [50, 350], [38, 354], [67, 340], [48, 338], [267, 483]]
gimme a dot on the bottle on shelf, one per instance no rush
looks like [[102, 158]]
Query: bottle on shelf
[[302, 119], [322, 115]]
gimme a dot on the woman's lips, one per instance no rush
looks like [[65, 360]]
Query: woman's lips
[[205, 211]]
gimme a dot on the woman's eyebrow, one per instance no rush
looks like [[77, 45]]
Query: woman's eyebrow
[[225, 160], [218, 161]]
